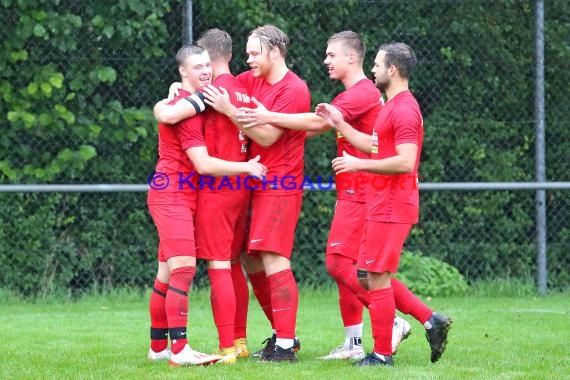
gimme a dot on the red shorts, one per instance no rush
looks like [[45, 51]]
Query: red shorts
[[381, 246], [175, 225], [346, 228], [273, 222], [221, 218]]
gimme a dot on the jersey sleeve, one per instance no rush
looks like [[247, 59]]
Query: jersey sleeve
[[293, 99], [353, 104], [190, 132], [408, 125]]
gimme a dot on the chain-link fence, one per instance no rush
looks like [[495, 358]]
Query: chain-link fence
[[78, 87]]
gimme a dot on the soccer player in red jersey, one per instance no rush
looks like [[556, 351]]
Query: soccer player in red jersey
[[172, 202], [221, 215], [360, 104], [276, 202], [393, 205]]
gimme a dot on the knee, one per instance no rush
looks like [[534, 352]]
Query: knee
[[362, 278], [336, 267]]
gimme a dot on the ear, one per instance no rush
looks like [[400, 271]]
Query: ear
[[182, 71]]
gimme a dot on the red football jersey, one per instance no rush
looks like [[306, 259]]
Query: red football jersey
[[284, 159], [395, 198], [223, 139], [178, 180], [360, 105]]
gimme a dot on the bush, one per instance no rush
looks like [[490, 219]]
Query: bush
[[430, 277]]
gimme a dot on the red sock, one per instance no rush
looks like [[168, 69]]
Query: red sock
[[382, 312], [177, 306], [158, 321], [408, 303], [242, 301], [262, 292], [342, 270], [350, 306], [223, 302], [284, 303]]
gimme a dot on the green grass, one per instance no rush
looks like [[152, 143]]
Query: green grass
[[106, 337]]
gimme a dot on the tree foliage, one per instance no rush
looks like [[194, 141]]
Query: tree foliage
[[77, 83]]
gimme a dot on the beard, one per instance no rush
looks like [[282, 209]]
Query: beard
[[382, 84]]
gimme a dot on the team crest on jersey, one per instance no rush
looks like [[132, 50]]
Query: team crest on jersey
[[244, 98], [374, 148]]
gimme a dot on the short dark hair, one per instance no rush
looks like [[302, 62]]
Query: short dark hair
[[400, 55], [271, 36], [217, 42], [187, 50], [352, 41]]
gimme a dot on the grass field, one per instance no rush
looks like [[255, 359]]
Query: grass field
[[106, 337]]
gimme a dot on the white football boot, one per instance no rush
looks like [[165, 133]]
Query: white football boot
[[188, 357], [400, 331]]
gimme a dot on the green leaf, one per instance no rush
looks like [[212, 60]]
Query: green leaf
[[46, 89], [87, 152], [28, 119], [39, 30], [95, 129], [13, 116], [19, 55], [108, 31], [65, 155], [97, 21], [32, 88], [107, 74], [56, 80]]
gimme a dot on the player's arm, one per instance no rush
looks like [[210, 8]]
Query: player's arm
[[307, 121], [333, 117], [219, 99], [403, 162], [208, 165], [183, 109]]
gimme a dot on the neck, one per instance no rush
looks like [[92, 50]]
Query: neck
[[277, 73], [395, 88], [220, 67], [353, 78], [187, 86]]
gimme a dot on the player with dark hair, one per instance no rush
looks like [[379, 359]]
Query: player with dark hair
[[182, 153], [275, 209], [395, 148]]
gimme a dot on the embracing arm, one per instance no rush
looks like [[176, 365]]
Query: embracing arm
[[307, 121], [333, 116], [208, 165], [219, 99]]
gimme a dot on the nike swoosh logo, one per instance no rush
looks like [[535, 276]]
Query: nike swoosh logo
[[369, 261], [335, 244], [276, 310], [255, 241]]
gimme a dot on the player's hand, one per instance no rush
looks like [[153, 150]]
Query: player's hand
[[219, 99], [250, 117], [330, 113], [345, 164], [255, 168], [173, 90]]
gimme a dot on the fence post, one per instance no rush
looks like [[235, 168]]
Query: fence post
[[540, 150], [187, 23]]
